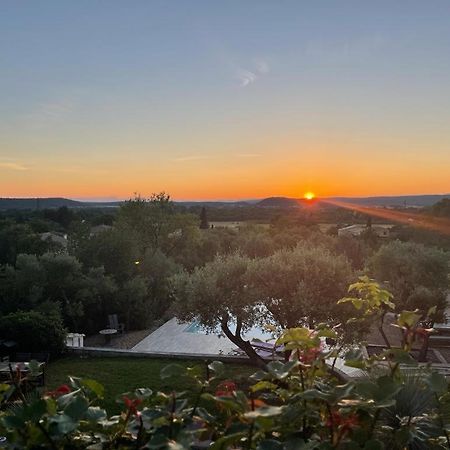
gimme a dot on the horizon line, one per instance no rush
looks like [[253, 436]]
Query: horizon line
[[247, 199]]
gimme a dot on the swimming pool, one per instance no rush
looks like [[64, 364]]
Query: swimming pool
[[252, 333]]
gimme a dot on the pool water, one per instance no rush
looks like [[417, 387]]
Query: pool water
[[193, 327]]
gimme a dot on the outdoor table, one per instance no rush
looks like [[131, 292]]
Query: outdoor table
[[24, 368], [108, 333]]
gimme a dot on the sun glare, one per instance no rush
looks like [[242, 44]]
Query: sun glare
[[309, 195]]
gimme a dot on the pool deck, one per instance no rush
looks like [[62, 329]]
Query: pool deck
[[172, 338]]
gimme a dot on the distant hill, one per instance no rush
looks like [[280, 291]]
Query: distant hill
[[402, 200], [394, 201], [218, 204], [49, 203], [279, 202], [270, 202], [37, 203]]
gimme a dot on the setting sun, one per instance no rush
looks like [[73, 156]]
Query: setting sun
[[309, 195]]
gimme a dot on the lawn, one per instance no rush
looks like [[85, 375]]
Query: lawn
[[121, 374]]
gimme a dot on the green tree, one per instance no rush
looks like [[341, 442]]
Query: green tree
[[301, 286], [441, 208], [19, 238], [217, 295], [34, 331], [134, 303], [115, 250], [409, 269], [204, 225]]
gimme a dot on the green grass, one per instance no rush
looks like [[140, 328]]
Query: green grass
[[120, 374]]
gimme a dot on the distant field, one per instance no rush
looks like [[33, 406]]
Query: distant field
[[236, 224], [324, 227], [121, 374]]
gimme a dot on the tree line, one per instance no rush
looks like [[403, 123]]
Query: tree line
[[154, 261]]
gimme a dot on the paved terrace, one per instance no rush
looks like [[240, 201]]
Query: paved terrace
[[172, 338]]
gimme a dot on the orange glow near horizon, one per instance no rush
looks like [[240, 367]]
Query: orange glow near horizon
[[305, 164], [440, 225], [309, 195]]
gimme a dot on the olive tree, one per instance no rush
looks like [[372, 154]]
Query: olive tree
[[298, 286], [417, 275], [218, 295], [301, 285]]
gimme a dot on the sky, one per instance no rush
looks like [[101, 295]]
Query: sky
[[224, 99]]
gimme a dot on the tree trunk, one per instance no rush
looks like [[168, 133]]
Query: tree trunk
[[243, 345], [381, 330]]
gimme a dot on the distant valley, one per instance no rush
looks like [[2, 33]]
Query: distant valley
[[270, 202]]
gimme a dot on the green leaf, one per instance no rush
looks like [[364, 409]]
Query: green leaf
[[408, 319], [265, 411], [95, 387], [400, 356], [51, 406], [62, 424], [258, 376], [263, 385], [279, 370], [437, 382], [172, 370], [35, 410], [356, 363], [327, 332], [95, 414], [12, 421], [226, 442], [217, 367], [300, 334], [314, 394], [35, 367], [143, 393], [204, 414], [172, 445], [77, 408]]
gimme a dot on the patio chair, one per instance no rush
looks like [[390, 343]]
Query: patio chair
[[113, 323]]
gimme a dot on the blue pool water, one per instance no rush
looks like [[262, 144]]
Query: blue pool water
[[193, 327]]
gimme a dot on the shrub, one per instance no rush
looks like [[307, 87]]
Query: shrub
[[297, 404], [34, 331]]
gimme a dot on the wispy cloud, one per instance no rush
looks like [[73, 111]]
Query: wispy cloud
[[12, 166], [190, 158], [247, 76]]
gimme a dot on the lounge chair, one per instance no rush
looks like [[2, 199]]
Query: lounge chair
[[113, 323]]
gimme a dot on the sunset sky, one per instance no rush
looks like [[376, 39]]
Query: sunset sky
[[224, 99]]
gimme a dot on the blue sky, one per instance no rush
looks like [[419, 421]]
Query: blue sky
[[227, 99]]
